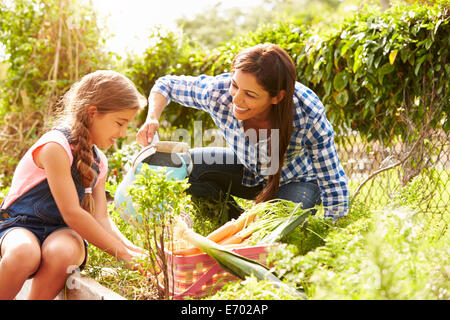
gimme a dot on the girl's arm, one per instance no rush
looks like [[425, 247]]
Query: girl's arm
[[54, 160], [101, 215]]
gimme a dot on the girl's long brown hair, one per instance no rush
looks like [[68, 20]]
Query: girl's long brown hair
[[274, 71], [109, 91]]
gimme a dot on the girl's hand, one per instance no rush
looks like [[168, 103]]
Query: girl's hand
[[137, 249], [138, 261]]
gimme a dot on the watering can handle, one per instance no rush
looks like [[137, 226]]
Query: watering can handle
[[143, 154]]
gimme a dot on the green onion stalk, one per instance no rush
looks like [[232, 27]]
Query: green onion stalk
[[271, 224], [287, 225], [235, 264]]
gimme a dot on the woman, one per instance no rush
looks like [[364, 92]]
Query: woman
[[280, 143]]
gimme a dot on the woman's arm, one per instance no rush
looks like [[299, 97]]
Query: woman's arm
[[156, 104], [102, 217], [189, 91], [330, 174], [54, 160]]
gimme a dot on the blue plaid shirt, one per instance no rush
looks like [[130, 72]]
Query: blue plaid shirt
[[310, 156]]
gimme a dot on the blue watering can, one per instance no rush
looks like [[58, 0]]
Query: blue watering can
[[173, 156]]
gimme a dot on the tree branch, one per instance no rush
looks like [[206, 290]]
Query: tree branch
[[408, 155]]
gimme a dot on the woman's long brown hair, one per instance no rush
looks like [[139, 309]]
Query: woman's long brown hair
[[109, 91], [274, 71]]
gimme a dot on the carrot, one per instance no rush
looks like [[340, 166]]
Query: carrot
[[222, 232], [234, 239], [243, 221], [223, 235], [187, 251], [230, 228]]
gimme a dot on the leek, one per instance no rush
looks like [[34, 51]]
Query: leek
[[287, 226]]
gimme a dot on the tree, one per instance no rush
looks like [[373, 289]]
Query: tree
[[48, 45]]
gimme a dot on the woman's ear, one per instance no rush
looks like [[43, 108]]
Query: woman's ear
[[92, 110], [279, 97]]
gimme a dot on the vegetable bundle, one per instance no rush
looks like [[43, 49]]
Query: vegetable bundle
[[264, 223]]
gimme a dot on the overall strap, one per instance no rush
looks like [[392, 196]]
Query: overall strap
[[68, 135]]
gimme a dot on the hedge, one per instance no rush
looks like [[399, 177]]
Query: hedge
[[370, 72]]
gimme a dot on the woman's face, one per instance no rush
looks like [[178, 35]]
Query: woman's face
[[106, 128], [250, 99]]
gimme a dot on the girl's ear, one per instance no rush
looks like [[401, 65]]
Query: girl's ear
[[279, 97], [92, 110]]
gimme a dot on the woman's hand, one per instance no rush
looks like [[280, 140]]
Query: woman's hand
[[156, 104], [146, 133]]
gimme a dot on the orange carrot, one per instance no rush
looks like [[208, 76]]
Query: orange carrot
[[223, 235], [230, 228], [187, 251], [222, 232], [244, 221], [234, 239]]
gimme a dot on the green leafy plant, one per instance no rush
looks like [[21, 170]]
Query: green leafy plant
[[48, 45], [158, 199], [392, 253]]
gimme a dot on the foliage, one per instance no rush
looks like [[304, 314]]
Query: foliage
[[112, 273], [382, 65], [119, 162], [387, 254], [48, 45], [370, 73], [216, 24], [390, 252], [168, 53], [252, 289], [158, 199]]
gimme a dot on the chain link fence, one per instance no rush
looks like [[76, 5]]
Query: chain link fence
[[413, 172]]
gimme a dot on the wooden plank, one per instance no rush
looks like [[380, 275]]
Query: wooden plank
[[77, 288]]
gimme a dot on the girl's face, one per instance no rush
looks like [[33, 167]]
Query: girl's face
[[250, 99], [108, 127]]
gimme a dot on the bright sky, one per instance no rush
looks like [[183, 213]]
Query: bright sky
[[131, 20]]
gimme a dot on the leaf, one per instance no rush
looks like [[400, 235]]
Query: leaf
[[342, 98], [340, 81], [345, 47], [327, 87], [392, 56], [357, 63], [419, 63], [385, 69]]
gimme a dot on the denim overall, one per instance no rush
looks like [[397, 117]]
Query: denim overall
[[36, 209]]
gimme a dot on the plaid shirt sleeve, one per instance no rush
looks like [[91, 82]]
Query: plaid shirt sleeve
[[190, 91], [332, 180]]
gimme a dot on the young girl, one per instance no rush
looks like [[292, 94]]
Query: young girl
[[57, 199], [280, 143]]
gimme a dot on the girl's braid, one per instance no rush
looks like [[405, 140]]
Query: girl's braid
[[84, 157]]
